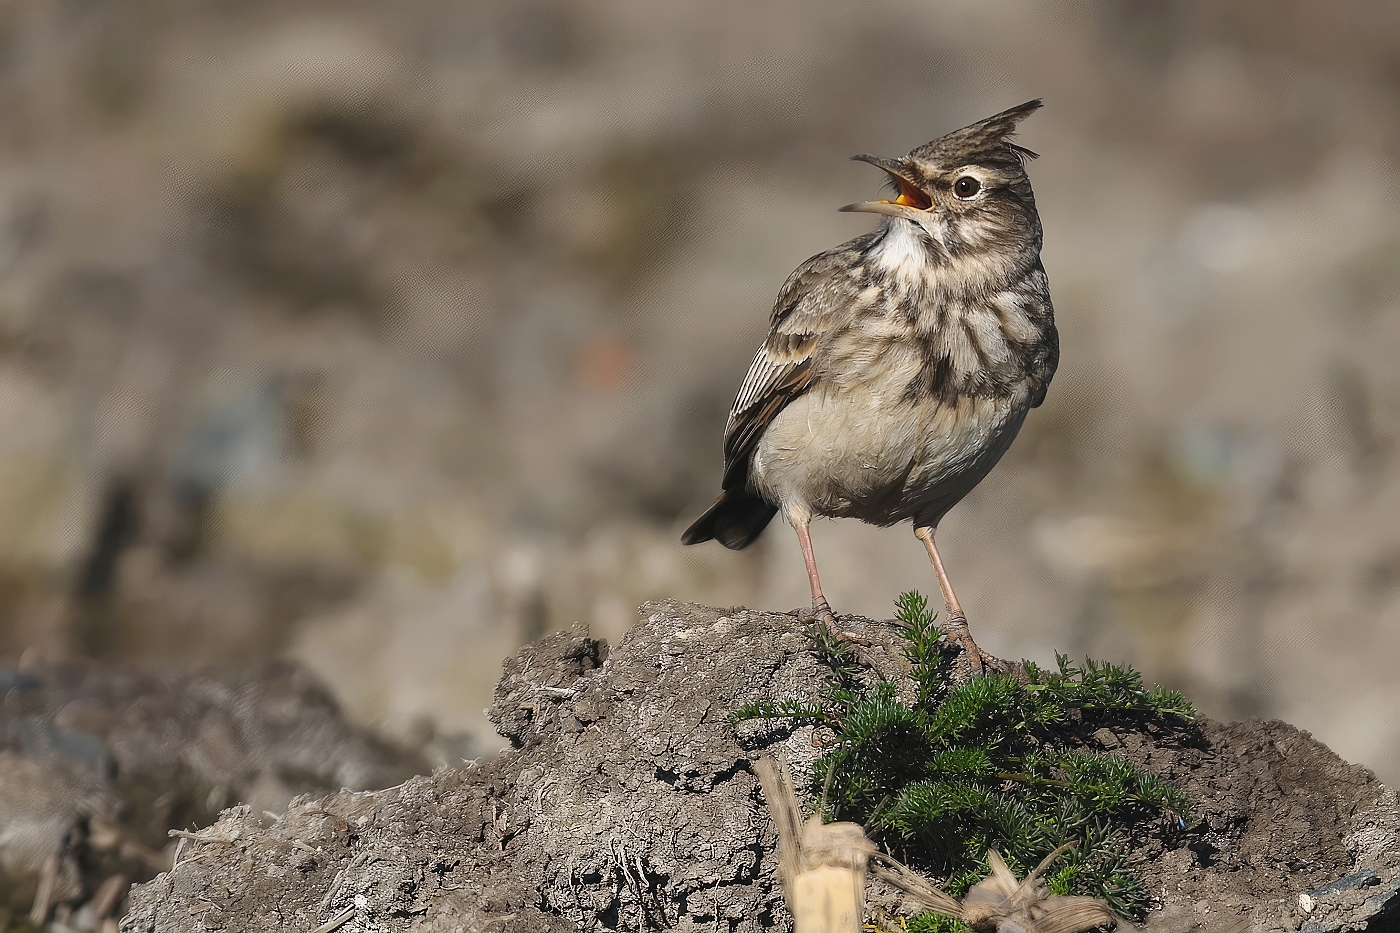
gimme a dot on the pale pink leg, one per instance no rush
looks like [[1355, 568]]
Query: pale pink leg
[[955, 621], [819, 604]]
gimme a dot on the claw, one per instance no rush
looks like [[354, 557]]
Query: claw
[[959, 632]]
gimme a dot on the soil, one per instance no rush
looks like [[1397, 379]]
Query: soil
[[100, 760], [628, 802]]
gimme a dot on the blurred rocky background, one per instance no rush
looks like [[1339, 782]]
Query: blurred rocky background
[[384, 338], [99, 760]]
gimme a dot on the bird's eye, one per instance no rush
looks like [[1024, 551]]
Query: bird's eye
[[967, 187]]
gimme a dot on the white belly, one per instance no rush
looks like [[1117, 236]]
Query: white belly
[[863, 453]]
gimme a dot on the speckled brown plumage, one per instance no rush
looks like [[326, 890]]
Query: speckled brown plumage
[[898, 366]]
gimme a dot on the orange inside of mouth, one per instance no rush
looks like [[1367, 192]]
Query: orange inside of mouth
[[909, 196]]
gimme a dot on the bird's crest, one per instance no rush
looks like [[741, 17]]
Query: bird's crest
[[985, 141]]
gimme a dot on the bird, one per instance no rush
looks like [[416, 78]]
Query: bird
[[898, 366]]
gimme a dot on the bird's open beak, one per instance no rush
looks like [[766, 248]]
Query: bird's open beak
[[911, 197]]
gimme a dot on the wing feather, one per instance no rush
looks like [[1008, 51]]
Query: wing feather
[[820, 296]]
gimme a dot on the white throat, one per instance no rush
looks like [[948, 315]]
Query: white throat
[[902, 253]]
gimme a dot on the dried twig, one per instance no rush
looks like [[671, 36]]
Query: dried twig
[[1001, 903], [335, 922], [822, 865], [823, 870], [202, 836], [924, 895]]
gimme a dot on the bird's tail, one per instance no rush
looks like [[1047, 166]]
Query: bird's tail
[[735, 520]]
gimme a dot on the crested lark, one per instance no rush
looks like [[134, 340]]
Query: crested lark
[[899, 366]]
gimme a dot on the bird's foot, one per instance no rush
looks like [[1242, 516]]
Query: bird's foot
[[957, 631], [826, 618]]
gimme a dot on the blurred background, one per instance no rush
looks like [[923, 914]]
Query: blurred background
[[388, 337]]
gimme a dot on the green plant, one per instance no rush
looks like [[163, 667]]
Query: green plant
[[943, 775]]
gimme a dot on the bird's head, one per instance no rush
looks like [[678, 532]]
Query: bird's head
[[968, 188]]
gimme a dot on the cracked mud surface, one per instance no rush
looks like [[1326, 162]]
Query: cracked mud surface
[[628, 803]]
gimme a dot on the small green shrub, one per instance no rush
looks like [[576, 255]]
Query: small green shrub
[[988, 764]]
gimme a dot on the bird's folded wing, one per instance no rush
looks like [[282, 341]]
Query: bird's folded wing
[[819, 297], [775, 378]]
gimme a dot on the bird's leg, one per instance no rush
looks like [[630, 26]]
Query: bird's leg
[[956, 620], [820, 606]]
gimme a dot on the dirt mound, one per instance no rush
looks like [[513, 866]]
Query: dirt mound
[[629, 803], [98, 761]]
